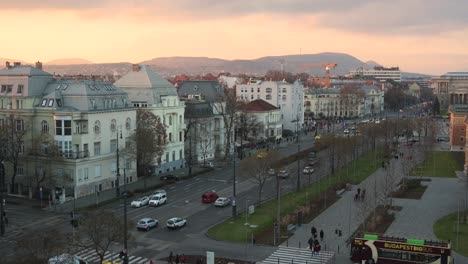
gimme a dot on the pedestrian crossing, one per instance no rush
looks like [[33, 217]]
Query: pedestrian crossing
[[298, 256], [89, 255]]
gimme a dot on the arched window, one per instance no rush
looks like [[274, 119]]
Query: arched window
[[45, 126], [113, 125], [128, 123], [268, 96], [97, 127], [268, 90]]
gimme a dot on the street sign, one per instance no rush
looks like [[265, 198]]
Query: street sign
[[251, 209], [210, 257]]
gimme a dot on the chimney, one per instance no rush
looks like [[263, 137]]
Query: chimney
[[16, 63], [8, 65], [135, 67], [39, 65]]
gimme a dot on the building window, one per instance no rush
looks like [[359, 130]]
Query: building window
[[284, 97], [113, 126], [268, 97], [284, 90], [63, 128], [170, 120], [167, 156], [20, 170], [113, 145], [44, 102], [462, 139], [258, 89], [6, 88], [97, 148], [180, 136], [20, 88], [97, 171], [86, 174], [19, 125], [45, 126], [251, 96], [180, 119], [97, 127], [80, 175], [51, 103], [268, 90], [170, 137], [128, 123], [173, 155], [180, 154], [128, 164], [251, 90]]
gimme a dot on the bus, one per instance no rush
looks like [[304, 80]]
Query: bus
[[376, 249]]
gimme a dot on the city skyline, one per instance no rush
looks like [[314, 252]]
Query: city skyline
[[418, 36]]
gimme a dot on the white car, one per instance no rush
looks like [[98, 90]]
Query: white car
[[222, 201], [346, 131], [283, 174], [176, 222], [140, 202], [147, 223], [271, 172], [159, 192], [157, 199], [308, 169], [66, 259]]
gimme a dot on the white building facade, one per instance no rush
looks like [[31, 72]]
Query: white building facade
[[380, 73], [146, 89], [268, 118], [81, 120], [286, 96]]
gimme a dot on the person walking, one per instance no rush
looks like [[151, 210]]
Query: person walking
[[321, 235], [169, 260], [313, 230], [151, 261], [177, 259], [311, 245], [183, 259]]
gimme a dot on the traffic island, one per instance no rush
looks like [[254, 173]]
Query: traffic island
[[411, 189], [454, 227]]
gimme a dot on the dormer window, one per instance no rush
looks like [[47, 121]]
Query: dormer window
[[51, 102], [44, 102], [59, 102]]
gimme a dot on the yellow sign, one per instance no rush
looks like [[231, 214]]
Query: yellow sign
[[408, 247]]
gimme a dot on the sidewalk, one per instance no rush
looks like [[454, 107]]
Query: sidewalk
[[345, 214]]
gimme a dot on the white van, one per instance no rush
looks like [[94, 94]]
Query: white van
[[157, 199]]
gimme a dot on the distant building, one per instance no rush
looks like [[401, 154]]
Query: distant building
[[450, 88], [80, 119], [380, 73], [289, 97], [229, 82], [146, 89], [268, 117]]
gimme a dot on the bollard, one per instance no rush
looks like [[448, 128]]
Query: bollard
[[292, 261]]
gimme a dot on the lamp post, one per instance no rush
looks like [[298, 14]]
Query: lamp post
[[298, 182], [234, 206], [118, 166], [2, 190], [125, 195]]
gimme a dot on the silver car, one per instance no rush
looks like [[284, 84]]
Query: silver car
[[147, 223], [176, 222], [222, 201], [140, 202], [283, 174]]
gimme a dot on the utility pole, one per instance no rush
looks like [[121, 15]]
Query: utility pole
[[234, 206], [118, 166], [125, 195]]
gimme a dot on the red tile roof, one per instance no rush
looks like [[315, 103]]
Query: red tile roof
[[259, 105]]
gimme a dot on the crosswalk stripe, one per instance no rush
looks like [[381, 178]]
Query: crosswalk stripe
[[143, 261], [136, 259], [91, 256], [297, 256]]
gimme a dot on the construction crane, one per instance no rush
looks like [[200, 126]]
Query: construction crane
[[327, 67]]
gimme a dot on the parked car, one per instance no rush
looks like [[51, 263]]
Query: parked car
[[209, 197], [147, 223], [67, 259], [169, 178], [442, 139], [312, 162], [271, 172], [176, 222], [222, 201], [157, 199], [207, 164], [312, 154], [160, 192], [283, 174], [140, 202], [346, 131], [308, 169]]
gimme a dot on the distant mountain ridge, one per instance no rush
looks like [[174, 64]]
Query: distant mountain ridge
[[170, 66], [69, 61]]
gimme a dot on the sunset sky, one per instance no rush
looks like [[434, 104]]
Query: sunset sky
[[426, 36]]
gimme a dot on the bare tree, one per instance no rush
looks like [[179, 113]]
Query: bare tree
[[13, 135], [99, 229], [39, 247], [247, 124], [351, 98], [205, 144], [258, 169], [147, 144], [227, 105], [388, 185]]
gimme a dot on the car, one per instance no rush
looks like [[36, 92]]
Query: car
[[377, 121], [346, 131], [176, 222], [271, 172], [158, 199], [140, 202], [209, 197], [283, 174], [207, 165], [222, 201], [312, 162], [169, 178], [147, 223], [67, 259], [308, 169], [312, 154], [442, 139]]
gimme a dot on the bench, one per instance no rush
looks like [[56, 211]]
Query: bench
[[291, 227], [340, 192]]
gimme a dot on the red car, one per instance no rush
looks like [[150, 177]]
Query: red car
[[209, 197]]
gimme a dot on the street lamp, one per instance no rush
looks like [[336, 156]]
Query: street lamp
[[125, 195], [2, 191], [234, 206], [118, 167]]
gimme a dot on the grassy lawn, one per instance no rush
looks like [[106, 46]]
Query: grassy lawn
[[446, 229], [234, 230], [440, 164]]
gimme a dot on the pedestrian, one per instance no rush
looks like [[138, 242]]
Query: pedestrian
[[321, 235], [356, 196], [363, 194], [313, 230], [177, 259], [169, 260], [383, 164], [183, 259], [199, 261], [358, 191], [151, 261], [311, 244]]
